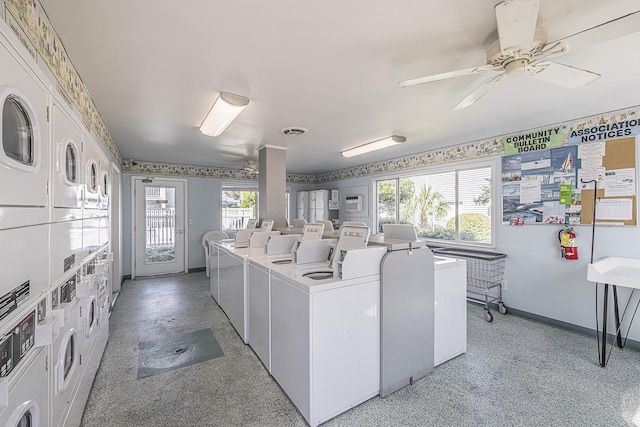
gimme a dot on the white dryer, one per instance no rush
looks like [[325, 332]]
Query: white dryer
[[24, 138], [66, 238], [68, 173], [91, 162], [24, 396], [24, 267], [104, 185], [90, 236]]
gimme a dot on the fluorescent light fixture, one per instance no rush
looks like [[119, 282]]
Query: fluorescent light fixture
[[372, 146], [225, 109]]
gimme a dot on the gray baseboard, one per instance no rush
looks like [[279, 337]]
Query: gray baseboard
[[588, 332], [191, 270]]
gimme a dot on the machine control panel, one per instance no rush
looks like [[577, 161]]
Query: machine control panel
[[16, 343], [11, 300]]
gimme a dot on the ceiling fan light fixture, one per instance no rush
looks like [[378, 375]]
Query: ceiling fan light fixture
[[225, 109], [373, 146]]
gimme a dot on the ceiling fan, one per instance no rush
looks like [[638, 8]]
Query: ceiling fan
[[522, 48], [251, 166]]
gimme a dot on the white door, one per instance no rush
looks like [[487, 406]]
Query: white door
[[159, 231]]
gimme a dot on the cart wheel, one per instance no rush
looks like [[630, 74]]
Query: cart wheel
[[488, 316], [502, 308]]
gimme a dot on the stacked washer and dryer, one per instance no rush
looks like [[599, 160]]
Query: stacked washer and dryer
[[54, 231]]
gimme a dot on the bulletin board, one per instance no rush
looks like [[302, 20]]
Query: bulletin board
[[617, 188], [544, 186]]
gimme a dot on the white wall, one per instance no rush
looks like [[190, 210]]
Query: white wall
[[203, 208], [345, 186], [539, 280]]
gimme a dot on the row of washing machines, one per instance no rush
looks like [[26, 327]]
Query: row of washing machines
[[51, 343], [55, 292]]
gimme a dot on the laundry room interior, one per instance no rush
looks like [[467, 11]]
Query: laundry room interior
[[414, 213]]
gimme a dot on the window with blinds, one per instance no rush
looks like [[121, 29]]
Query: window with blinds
[[449, 205]]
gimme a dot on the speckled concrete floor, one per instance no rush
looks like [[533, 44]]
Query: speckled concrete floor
[[515, 373]]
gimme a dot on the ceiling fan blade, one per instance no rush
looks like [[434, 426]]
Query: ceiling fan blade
[[516, 24], [449, 75], [610, 30], [478, 92], [562, 75]]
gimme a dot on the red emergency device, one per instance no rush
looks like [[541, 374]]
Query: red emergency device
[[568, 243]]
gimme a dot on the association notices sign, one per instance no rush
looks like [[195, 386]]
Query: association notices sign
[[533, 141], [605, 131]]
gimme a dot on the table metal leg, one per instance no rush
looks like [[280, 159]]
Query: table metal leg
[[603, 349], [617, 316]]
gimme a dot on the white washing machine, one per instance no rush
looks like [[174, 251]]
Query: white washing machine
[[24, 348], [24, 267], [65, 351], [89, 331], [325, 334], [66, 237], [91, 162], [87, 292], [104, 310], [24, 138], [28, 394], [68, 174]]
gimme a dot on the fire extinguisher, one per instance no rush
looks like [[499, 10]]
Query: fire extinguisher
[[568, 243]]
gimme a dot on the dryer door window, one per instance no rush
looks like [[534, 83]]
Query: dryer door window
[[26, 420], [17, 132], [25, 415], [69, 357], [91, 317], [93, 177], [71, 163], [105, 182]]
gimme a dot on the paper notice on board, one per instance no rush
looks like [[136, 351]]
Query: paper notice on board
[[620, 182], [590, 175], [553, 213], [591, 149], [530, 191], [614, 209], [591, 162]]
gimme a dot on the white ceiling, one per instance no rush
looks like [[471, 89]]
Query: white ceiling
[[153, 69]]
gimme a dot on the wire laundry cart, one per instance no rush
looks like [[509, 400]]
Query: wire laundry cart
[[485, 271]]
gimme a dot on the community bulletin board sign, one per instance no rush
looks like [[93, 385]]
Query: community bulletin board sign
[[549, 175]]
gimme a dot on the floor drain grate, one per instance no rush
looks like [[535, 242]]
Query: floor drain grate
[[175, 352]]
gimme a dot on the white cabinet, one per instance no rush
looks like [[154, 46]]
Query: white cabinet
[[259, 318], [233, 291], [450, 317], [214, 277]]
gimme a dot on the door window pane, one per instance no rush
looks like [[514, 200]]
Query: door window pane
[[160, 224]]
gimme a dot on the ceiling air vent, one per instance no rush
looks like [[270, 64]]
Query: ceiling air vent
[[294, 131]]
